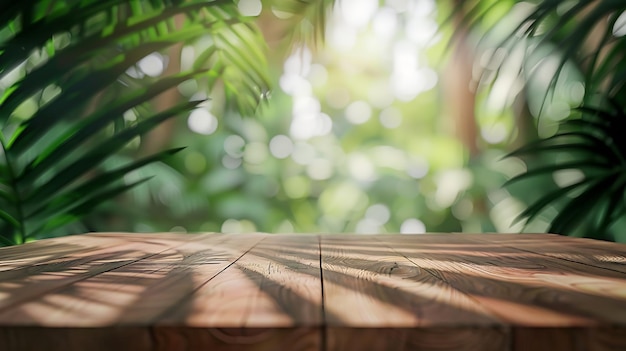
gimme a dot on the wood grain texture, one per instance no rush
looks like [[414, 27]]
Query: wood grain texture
[[595, 253], [370, 290], [77, 259], [522, 287], [114, 291], [222, 301], [366, 284], [286, 271], [418, 339], [161, 338], [256, 303], [51, 249], [135, 293], [168, 338]]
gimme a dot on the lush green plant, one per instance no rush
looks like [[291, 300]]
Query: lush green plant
[[65, 89], [589, 35], [67, 82], [368, 177], [596, 148]]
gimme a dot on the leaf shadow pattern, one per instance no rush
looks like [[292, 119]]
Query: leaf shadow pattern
[[138, 292], [476, 281], [416, 304], [48, 281]]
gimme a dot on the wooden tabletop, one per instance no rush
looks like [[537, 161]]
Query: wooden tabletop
[[115, 291]]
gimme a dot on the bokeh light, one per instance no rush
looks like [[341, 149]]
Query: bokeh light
[[250, 7], [152, 65], [360, 134], [202, 121]]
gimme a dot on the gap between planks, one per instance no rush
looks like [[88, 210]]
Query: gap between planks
[[376, 271]]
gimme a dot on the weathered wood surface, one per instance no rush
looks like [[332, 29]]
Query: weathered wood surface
[[251, 292]]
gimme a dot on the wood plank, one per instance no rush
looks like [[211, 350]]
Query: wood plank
[[199, 266], [606, 338], [168, 338], [548, 339], [264, 292], [72, 250], [218, 301], [591, 252], [268, 299], [522, 287], [566, 339], [252, 293], [369, 289], [26, 283], [419, 339], [76, 339], [136, 293], [204, 258], [370, 277], [48, 250], [286, 270]]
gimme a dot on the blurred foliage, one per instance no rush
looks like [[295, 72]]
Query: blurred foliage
[[357, 134], [76, 83], [564, 54], [344, 145]]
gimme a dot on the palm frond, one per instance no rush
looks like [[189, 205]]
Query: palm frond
[[601, 151], [584, 35], [49, 167], [579, 31], [307, 18]]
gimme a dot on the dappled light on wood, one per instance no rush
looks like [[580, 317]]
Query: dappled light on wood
[[312, 292]]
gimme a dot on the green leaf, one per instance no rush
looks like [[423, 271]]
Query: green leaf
[[582, 165], [84, 50], [87, 189], [9, 219], [82, 208], [35, 35], [588, 142], [582, 206], [95, 156], [7, 195], [106, 37], [84, 88], [3, 240], [88, 128], [614, 207], [537, 206], [578, 147]]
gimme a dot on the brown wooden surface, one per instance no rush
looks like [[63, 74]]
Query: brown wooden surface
[[115, 291]]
